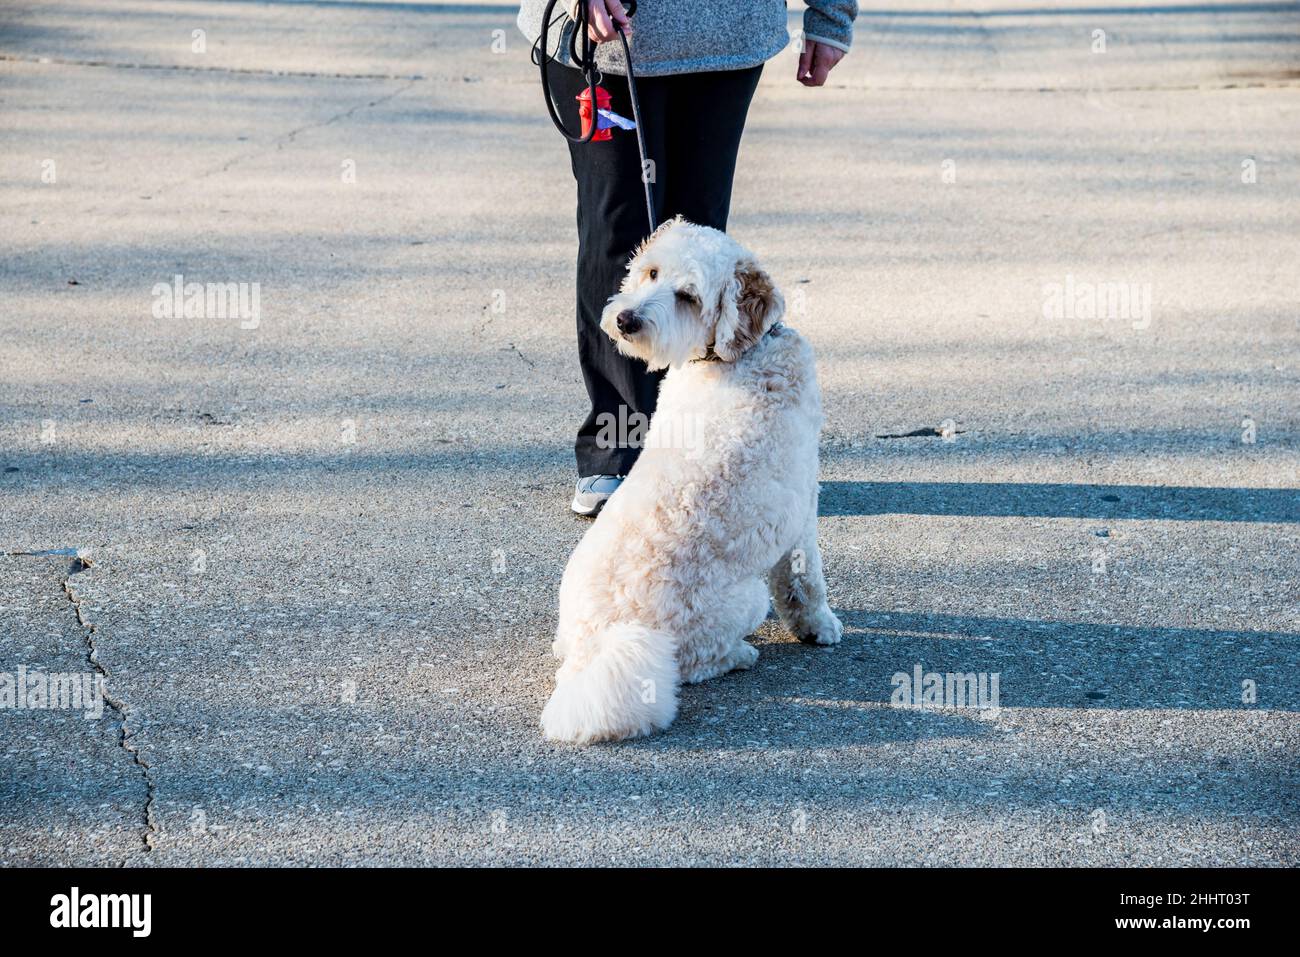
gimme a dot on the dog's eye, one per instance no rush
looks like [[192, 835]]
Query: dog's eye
[[654, 274]]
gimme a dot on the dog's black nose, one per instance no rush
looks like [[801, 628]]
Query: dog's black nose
[[628, 321]]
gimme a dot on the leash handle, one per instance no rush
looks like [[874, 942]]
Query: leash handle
[[587, 63]]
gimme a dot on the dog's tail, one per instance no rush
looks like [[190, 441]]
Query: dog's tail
[[628, 688]]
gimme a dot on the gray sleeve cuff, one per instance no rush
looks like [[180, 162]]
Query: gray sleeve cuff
[[830, 22], [826, 40]]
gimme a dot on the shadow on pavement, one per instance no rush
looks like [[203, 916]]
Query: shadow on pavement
[[1052, 664], [1024, 499]]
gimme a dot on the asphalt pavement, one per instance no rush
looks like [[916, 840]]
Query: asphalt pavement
[[312, 548]]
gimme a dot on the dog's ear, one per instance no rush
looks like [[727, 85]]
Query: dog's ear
[[749, 305]]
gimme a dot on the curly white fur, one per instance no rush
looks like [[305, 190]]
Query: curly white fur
[[720, 510]]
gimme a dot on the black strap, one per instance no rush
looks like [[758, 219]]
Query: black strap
[[640, 129]]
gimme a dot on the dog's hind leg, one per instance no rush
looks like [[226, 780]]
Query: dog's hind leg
[[740, 655], [799, 592], [734, 617]]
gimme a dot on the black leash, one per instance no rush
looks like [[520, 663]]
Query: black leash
[[586, 62]]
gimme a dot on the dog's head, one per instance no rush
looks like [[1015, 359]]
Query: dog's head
[[691, 290]]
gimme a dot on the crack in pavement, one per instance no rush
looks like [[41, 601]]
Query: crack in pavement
[[515, 349], [290, 137], [125, 736], [275, 146], [292, 134]]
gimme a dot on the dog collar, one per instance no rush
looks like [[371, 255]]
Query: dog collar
[[711, 356]]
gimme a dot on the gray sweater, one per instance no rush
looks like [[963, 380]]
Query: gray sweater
[[693, 36]]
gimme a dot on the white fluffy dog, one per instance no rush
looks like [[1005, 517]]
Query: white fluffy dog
[[720, 509]]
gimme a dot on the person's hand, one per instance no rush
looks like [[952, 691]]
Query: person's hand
[[601, 17], [816, 61]]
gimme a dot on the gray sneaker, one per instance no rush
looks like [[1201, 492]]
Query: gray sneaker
[[593, 492]]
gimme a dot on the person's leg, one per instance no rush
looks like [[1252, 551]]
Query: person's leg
[[611, 223], [703, 138]]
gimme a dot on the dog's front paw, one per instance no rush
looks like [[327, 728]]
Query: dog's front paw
[[746, 657], [824, 629]]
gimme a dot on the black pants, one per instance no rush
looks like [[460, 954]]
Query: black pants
[[692, 125]]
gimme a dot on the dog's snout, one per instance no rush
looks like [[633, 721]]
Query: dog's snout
[[628, 321]]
